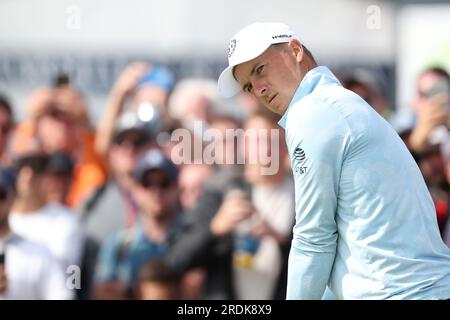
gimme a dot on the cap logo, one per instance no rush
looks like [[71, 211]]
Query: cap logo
[[279, 36], [231, 47]]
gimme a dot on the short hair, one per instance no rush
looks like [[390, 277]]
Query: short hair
[[437, 70], [158, 271], [308, 53]]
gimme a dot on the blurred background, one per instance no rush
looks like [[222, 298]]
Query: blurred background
[[93, 40], [92, 190]]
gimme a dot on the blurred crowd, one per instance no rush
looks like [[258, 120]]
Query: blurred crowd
[[112, 211]]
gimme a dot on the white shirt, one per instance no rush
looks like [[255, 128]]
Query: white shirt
[[365, 221], [32, 272], [55, 227], [275, 204]]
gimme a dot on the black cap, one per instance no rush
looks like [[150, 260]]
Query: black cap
[[60, 162], [154, 159]]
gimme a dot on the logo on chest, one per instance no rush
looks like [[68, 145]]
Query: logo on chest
[[299, 160]]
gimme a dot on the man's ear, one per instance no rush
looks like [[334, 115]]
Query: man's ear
[[297, 49]]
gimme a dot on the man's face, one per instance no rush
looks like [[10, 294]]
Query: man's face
[[273, 77], [156, 194], [190, 182], [425, 83], [56, 131], [127, 147]]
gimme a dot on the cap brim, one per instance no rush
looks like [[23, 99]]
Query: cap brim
[[227, 84]]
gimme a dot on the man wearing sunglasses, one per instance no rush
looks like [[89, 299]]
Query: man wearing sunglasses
[[121, 257], [112, 206]]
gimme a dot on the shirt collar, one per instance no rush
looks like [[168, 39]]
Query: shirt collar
[[312, 79]]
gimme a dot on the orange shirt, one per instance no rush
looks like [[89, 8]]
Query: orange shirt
[[89, 170]]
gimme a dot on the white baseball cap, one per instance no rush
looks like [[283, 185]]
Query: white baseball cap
[[248, 44]]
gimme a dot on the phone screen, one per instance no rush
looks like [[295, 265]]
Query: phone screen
[[441, 86]]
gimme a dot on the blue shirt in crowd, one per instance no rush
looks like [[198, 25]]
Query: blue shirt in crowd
[[122, 255]]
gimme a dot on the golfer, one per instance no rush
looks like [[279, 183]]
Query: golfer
[[365, 222]]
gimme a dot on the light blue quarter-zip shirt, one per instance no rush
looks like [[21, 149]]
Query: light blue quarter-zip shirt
[[365, 222]]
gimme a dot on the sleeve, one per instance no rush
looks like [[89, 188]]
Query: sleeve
[[193, 244], [318, 137]]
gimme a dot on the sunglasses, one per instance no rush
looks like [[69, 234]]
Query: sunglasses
[[137, 142], [37, 163], [163, 184]]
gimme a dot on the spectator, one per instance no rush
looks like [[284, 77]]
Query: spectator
[[431, 105], [191, 183], [194, 100], [226, 151], [122, 256], [365, 84], [57, 118], [271, 224], [112, 206], [141, 85], [428, 139], [207, 236], [50, 224], [195, 246], [27, 270]]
